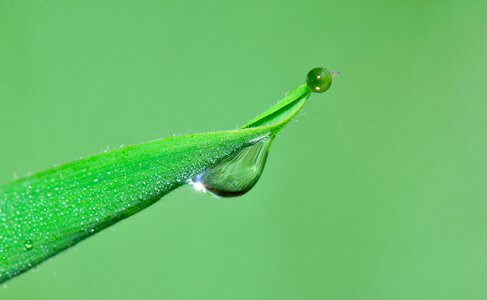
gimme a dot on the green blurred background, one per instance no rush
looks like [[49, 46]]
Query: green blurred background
[[377, 192]]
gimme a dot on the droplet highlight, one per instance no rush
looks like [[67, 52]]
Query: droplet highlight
[[237, 174]]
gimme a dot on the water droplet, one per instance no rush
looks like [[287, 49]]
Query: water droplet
[[319, 80], [29, 245], [236, 174]]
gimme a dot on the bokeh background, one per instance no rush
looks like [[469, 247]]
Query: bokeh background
[[378, 191]]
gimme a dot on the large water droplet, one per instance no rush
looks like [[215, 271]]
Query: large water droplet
[[236, 174]]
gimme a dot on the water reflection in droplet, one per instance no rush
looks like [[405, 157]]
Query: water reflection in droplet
[[236, 174]]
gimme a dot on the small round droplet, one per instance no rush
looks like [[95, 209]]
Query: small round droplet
[[29, 245], [319, 80]]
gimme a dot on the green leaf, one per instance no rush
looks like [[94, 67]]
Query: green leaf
[[45, 213]]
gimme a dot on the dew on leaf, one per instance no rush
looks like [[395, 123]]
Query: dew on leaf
[[29, 245], [319, 80], [237, 174]]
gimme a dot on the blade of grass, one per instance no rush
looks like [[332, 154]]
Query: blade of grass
[[45, 213]]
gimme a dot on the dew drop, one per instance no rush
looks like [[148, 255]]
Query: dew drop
[[236, 174], [29, 245], [319, 80]]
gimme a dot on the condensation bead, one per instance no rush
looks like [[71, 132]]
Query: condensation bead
[[319, 80]]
